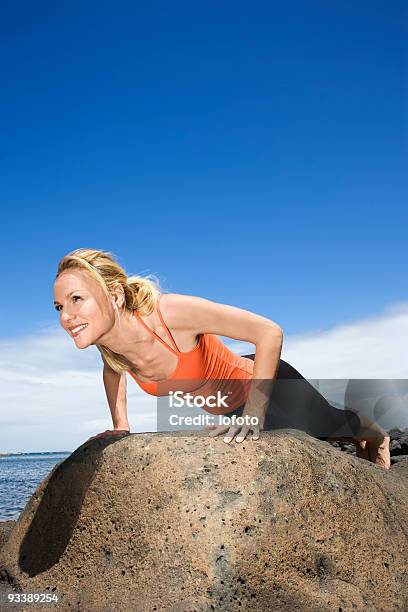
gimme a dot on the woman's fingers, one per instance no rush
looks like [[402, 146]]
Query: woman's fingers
[[245, 431], [217, 430], [242, 434], [109, 432], [237, 431], [256, 432], [234, 429], [221, 429], [99, 435]]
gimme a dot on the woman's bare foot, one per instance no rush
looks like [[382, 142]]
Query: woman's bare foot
[[376, 450]]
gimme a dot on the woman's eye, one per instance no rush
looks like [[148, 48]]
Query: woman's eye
[[74, 297]]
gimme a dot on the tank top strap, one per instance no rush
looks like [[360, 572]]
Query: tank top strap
[[164, 324], [173, 350]]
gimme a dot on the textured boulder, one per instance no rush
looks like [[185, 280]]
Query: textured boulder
[[186, 522], [6, 528]]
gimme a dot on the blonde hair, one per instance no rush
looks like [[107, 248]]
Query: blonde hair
[[141, 293]]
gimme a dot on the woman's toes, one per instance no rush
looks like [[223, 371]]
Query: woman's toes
[[362, 450], [380, 452]]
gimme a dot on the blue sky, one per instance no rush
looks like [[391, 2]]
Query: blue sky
[[249, 153]]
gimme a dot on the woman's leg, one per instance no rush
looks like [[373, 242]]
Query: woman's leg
[[295, 403]]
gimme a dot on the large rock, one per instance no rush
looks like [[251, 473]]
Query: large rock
[[6, 528], [186, 522]]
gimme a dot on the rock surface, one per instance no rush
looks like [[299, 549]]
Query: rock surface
[[5, 531], [186, 522]]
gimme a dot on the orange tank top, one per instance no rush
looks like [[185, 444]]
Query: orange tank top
[[209, 367]]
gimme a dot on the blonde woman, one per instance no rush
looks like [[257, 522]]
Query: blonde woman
[[161, 338]]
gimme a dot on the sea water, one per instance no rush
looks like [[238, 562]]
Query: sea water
[[19, 477]]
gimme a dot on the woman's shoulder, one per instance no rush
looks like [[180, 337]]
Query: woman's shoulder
[[176, 309]]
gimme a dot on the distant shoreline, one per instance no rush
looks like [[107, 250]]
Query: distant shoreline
[[38, 453]]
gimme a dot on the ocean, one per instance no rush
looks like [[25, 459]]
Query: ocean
[[19, 477]]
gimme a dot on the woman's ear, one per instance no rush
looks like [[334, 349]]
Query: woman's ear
[[118, 297]]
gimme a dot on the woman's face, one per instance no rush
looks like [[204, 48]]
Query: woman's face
[[85, 312]]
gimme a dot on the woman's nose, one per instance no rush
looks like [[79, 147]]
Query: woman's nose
[[66, 317]]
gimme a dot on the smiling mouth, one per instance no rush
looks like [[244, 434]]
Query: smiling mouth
[[77, 330]]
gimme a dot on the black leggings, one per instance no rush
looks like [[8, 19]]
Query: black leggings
[[295, 403]]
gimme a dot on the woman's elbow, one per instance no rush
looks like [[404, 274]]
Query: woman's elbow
[[279, 334], [275, 331]]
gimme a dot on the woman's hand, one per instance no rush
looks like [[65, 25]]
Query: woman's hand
[[253, 420], [110, 432]]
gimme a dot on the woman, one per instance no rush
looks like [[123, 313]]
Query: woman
[[160, 339]]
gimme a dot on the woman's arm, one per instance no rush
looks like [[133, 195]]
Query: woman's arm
[[204, 316], [115, 388], [198, 315], [266, 362]]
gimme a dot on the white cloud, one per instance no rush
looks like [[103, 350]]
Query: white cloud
[[52, 395], [375, 347]]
